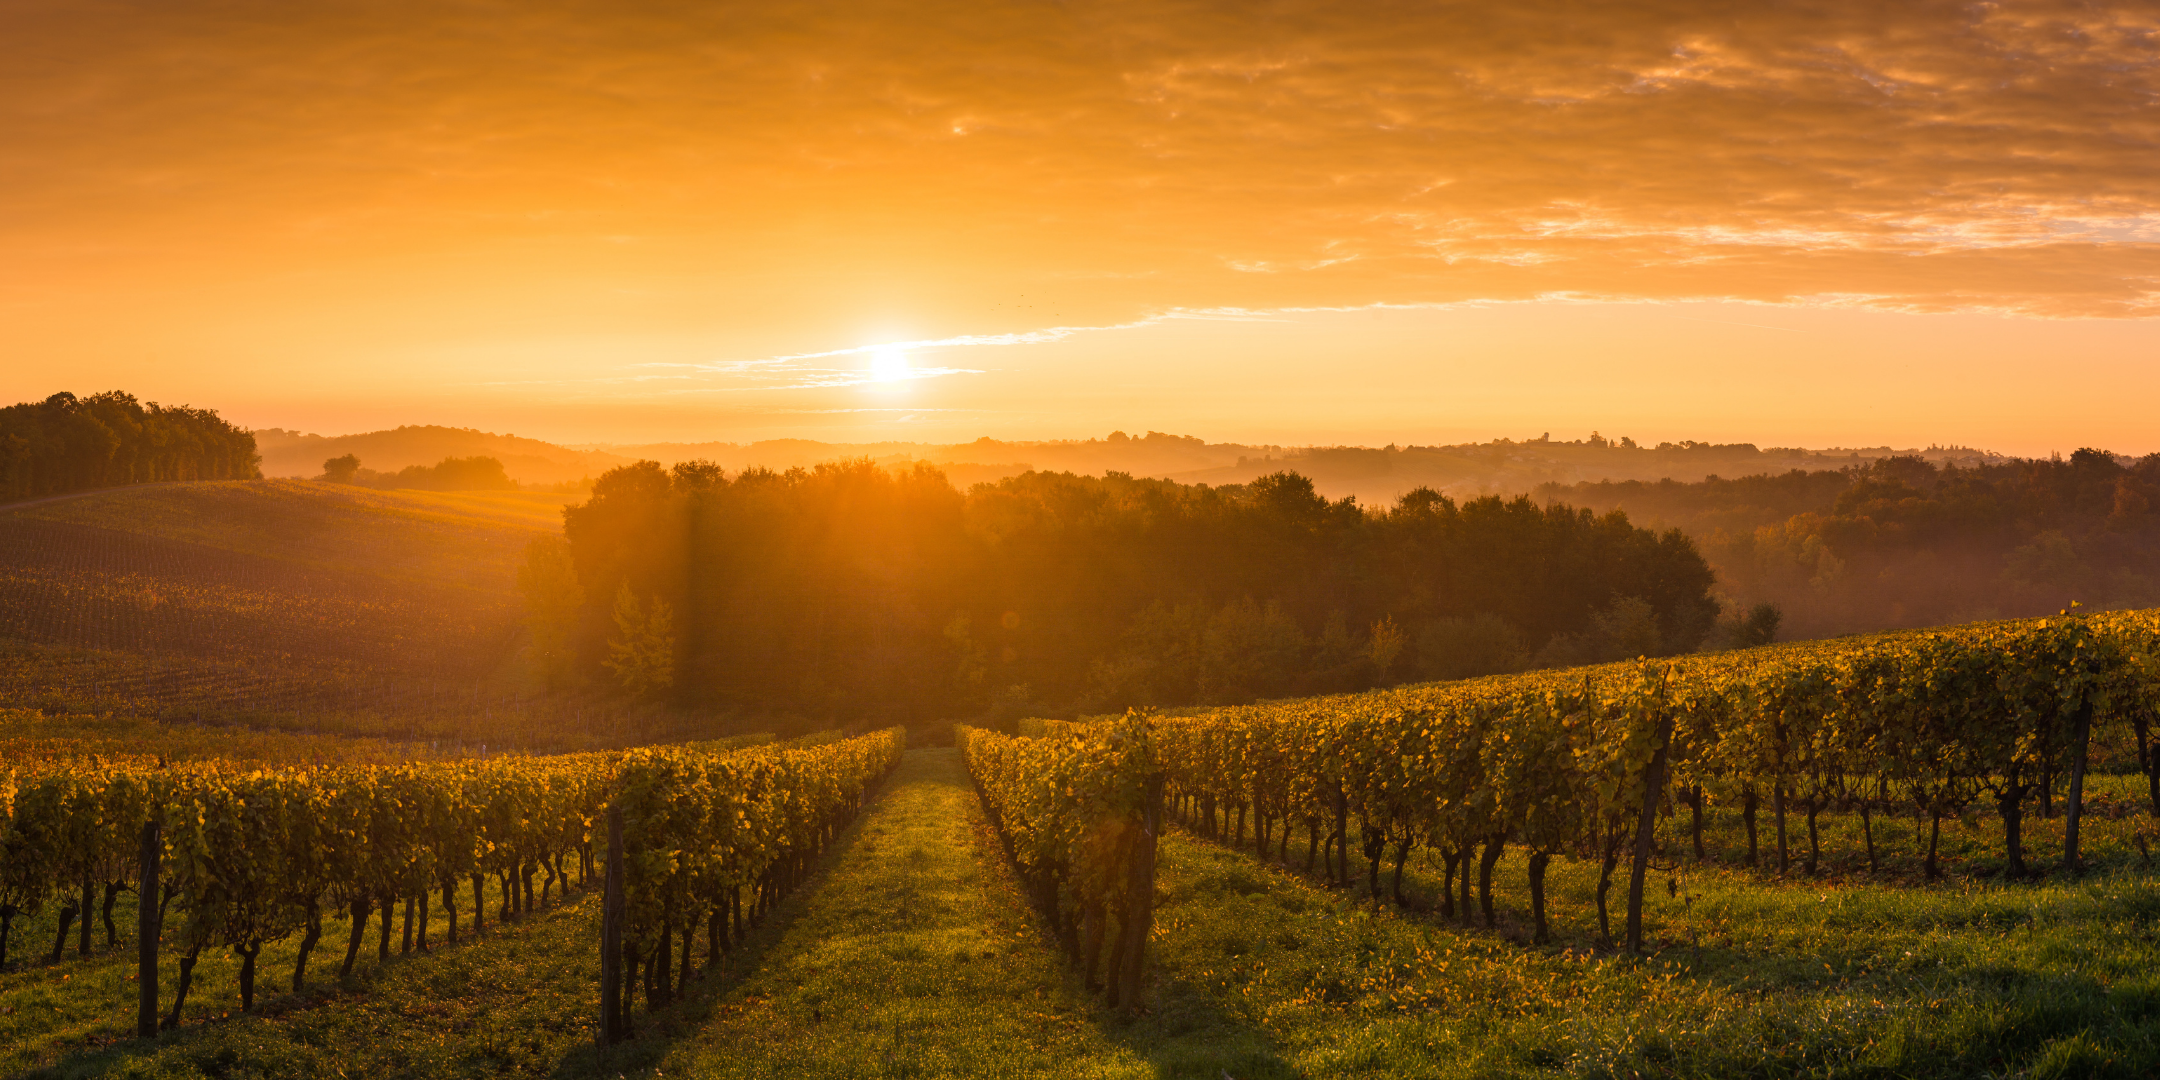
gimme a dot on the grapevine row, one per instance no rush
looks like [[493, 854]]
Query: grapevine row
[[247, 856], [1580, 761], [1078, 815], [700, 830]]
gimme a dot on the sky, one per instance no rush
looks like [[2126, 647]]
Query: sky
[[1819, 224]]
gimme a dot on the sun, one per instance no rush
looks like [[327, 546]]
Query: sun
[[889, 364]]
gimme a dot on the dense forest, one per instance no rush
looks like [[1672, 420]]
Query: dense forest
[[65, 443], [1906, 542], [449, 474], [854, 587]]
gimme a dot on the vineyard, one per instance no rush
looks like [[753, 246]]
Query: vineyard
[[1611, 774], [293, 605], [266, 693], [239, 857], [28, 735], [1923, 853], [2008, 717], [122, 591]]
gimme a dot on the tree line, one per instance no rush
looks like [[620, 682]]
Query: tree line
[[478, 473], [65, 443], [850, 588], [1903, 542]]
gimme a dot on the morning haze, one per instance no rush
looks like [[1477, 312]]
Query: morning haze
[[1175, 540]]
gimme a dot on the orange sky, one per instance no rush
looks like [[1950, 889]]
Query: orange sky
[[1829, 223]]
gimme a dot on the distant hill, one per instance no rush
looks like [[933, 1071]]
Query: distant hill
[[1904, 542], [284, 603], [290, 453], [1375, 475], [421, 584]]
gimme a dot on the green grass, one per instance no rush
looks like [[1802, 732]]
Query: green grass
[[917, 957], [912, 954], [1793, 978], [515, 1001]]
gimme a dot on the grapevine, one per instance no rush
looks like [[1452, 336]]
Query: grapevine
[[250, 855], [1580, 761], [1074, 810]]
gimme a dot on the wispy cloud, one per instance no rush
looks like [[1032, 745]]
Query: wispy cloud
[[813, 378], [802, 370]]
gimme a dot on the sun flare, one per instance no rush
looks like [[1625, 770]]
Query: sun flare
[[889, 365]]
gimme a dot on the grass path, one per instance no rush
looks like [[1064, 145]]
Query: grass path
[[916, 957]]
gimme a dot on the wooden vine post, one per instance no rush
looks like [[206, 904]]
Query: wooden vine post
[[611, 927], [1140, 883], [2080, 748], [1646, 828], [146, 932]]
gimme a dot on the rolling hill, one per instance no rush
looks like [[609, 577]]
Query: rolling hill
[[422, 583], [283, 603], [1374, 475]]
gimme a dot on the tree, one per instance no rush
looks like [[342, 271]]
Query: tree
[[969, 668], [455, 474], [642, 654], [1387, 644], [1247, 650], [837, 588], [1760, 627], [553, 598], [1453, 647], [66, 443], [341, 470]]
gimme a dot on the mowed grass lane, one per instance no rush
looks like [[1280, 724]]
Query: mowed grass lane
[[919, 957]]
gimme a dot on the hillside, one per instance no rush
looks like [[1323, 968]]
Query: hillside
[[275, 602], [422, 583], [1375, 475], [290, 453]]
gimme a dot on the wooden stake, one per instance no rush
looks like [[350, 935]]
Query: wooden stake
[[611, 920], [1140, 886], [146, 933]]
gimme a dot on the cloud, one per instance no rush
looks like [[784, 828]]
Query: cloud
[[793, 372], [1138, 157], [830, 379]]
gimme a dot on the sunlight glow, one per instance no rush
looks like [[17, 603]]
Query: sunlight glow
[[889, 364]]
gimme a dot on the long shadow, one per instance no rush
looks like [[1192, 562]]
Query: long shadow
[[657, 1031], [326, 989], [1707, 963], [1512, 925], [1181, 1029]]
